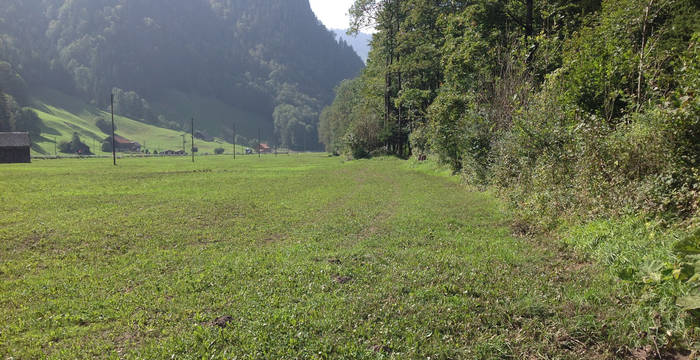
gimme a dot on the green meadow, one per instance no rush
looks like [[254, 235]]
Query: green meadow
[[288, 257], [65, 115]]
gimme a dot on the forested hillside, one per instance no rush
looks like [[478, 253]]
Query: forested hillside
[[358, 41], [272, 59]]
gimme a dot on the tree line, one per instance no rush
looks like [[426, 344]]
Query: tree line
[[584, 105]]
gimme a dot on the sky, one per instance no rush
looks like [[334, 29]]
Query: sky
[[332, 13]]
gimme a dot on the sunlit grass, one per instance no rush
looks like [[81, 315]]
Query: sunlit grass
[[296, 256]]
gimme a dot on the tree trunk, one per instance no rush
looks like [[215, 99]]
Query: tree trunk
[[640, 77], [400, 138], [529, 19]]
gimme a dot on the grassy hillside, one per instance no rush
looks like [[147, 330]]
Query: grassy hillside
[[293, 257], [63, 115]]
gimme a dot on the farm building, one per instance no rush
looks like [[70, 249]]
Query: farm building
[[15, 147], [125, 145], [173, 152], [265, 149]]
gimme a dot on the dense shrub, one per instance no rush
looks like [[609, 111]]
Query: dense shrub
[[607, 132], [203, 135], [419, 139], [15, 118], [104, 125], [27, 120], [131, 104]]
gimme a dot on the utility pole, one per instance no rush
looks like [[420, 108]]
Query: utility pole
[[54, 146], [259, 140], [183, 142], [114, 147], [193, 140], [234, 141]]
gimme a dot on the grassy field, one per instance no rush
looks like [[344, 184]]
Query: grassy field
[[285, 257]]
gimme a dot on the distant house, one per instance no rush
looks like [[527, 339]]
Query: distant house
[[125, 145], [15, 148], [265, 149]]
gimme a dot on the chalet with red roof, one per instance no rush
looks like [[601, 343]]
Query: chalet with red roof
[[125, 145], [265, 149]]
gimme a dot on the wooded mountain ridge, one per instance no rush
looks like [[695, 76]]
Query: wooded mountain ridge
[[359, 42], [272, 58]]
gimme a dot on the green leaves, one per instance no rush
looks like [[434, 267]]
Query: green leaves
[[689, 245], [688, 303], [689, 270]]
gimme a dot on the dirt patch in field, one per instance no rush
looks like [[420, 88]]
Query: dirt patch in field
[[33, 240], [126, 341], [273, 238], [374, 225], [222, 321], [342, 279], [381, 349], [650, 352]]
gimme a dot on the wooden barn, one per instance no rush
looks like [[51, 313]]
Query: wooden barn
[[15, 148], [126, 145]]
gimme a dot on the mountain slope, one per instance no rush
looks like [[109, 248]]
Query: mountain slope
[[359, 42], [251, 56]]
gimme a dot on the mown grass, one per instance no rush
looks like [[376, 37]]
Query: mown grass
[[308, 256]]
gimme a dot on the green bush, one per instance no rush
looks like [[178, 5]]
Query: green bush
[[419, 140], [104, 126], [656, 269], [357, 147]]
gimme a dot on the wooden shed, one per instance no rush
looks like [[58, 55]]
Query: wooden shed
[[15, 148]]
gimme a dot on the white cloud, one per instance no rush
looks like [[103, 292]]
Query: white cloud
[[332, 13]]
